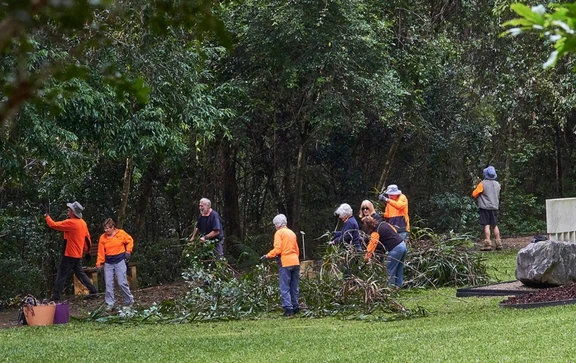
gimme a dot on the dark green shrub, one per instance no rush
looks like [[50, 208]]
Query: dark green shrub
[[19, 278], [450, 212], [159, 262], [521, 214]]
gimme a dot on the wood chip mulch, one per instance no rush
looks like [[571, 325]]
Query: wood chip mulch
[[551, 294]]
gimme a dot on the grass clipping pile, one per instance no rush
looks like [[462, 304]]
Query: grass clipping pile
[[565, 293]]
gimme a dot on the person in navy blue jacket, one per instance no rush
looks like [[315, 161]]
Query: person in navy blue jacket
[[349, 234]]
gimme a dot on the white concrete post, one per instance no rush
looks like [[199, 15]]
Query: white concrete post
[[561, 219]]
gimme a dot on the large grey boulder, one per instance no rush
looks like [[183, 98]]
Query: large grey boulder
[[547, 263]]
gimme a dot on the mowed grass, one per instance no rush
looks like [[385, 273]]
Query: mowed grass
[[468, 329]]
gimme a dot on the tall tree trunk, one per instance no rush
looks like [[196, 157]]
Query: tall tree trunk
[[127, 182], [390, 157], [298, 182], [231, 209], [146, 186]]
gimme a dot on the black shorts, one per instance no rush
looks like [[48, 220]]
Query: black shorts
[[488, 217]]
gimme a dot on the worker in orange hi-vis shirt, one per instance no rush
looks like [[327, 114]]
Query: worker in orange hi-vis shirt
[[78, 243], [286, 248], [114, 250], [396, 212]]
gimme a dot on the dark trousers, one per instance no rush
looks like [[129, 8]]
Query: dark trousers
[[67, 266]]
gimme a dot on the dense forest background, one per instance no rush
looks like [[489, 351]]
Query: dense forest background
[[265, 107]]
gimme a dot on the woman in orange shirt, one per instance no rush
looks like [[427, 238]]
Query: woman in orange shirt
[[114, 251]]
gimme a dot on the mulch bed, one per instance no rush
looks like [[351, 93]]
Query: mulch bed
[[551, 294]]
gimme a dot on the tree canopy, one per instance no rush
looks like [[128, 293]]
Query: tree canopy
[[272, 106]]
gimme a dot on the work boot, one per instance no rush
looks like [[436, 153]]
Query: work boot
[[498, 244], [288, 312], [487, 245]]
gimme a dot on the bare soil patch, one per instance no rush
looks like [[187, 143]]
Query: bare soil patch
[[509, 243]]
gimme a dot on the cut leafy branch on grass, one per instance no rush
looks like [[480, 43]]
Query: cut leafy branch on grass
[[443, 260], [347, 286]]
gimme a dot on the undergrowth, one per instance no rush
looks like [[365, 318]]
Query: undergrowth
[[345, 285], [443, 260]]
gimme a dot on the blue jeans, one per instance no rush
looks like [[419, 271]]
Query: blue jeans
[[289, 278], [395, 265], [119, 270], [67, 266], [403, 235]]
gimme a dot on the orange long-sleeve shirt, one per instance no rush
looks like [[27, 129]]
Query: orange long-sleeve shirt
[[75, 233], [396, 213], [119, 243], [479, 189], [374, 240], [285, 245]]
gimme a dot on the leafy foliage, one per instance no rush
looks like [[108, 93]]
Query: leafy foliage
[[557, 28], [350, 287], [80, 26], [26, 254], [345, 286], [218, 292], [316, 103], [436, 261]]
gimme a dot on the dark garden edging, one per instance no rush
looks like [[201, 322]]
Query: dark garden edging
[[538, 304]]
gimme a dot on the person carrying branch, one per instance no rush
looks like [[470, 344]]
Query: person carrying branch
[[487, 193]]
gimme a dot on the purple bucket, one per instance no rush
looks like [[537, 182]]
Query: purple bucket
[[62, 314]]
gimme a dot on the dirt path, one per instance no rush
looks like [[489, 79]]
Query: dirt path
[[512, 243]]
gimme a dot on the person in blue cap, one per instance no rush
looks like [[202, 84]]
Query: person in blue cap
[[487, 193]]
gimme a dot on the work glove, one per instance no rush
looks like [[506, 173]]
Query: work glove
[[263, 258], [128, 255], [43, 209], [382, 198], [87, 257], [99, 269]]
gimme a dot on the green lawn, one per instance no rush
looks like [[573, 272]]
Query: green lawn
[[457, 330], [502, 264]]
